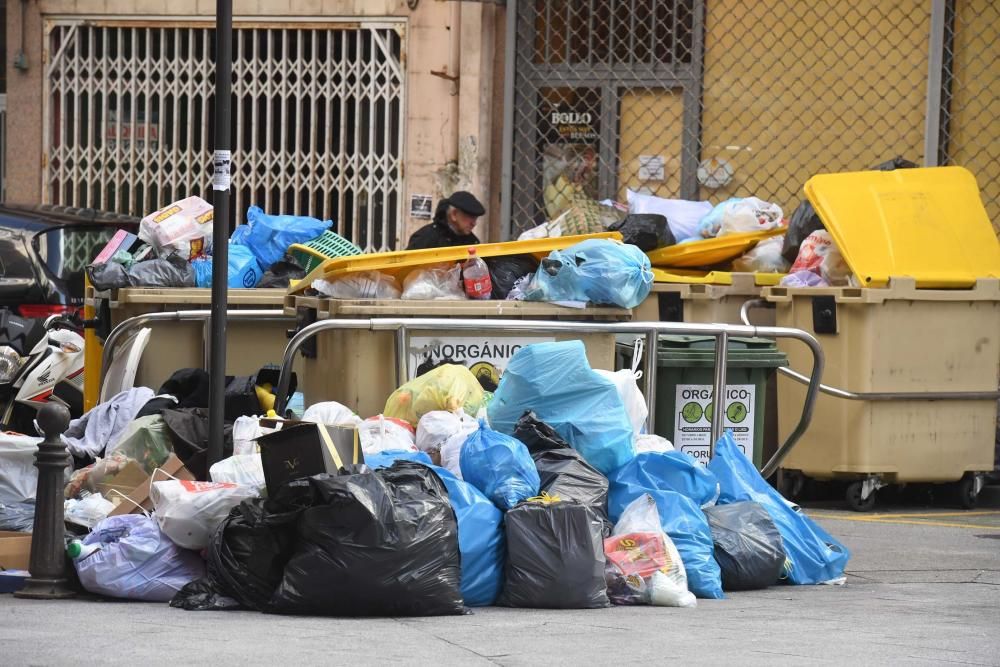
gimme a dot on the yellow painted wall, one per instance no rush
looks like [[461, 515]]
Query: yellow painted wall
[[787, 97], [651, 124], [975, 121]]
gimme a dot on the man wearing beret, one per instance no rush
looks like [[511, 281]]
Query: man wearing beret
[[454, 219]]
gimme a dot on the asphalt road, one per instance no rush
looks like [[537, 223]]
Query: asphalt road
[[923, 588]]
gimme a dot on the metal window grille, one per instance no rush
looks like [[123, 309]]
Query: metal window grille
[[711, 99], [317, 129]]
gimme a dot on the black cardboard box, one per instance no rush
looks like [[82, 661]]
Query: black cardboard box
[[305, 449]]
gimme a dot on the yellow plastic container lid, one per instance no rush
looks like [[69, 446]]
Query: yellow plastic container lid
[[928, 224], [694, 276], [401, 262], [710, 251]]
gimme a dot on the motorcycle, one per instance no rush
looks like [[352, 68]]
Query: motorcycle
[[40, 362]]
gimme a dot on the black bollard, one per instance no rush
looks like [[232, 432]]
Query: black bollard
[[48, 549]]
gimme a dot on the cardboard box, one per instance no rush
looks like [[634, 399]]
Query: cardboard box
[[304, 449], [15, 550], [140, 495], [127, 480]]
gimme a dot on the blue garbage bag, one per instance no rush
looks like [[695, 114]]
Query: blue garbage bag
[[814, 556], [136, 561], [680, 518], [601, 271], [242, 270], [480, 540], [499, 466], [480, 531], [555, 381], [269, 236], [386, 458], [676, 471]]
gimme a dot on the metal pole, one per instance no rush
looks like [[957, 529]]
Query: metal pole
[[935, 64], [507, 147], [220, 234], [651, 368], [718, 419]]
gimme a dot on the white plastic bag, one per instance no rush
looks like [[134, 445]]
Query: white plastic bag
[[765, 257], [364, 285], [650, 442], [246, 430], [244, 469], [189, 512], [88, 511], [331, 413], [436, 427], [136, 561], [750, 214], [434, 283], [18, 475], [183, 228], [682, 216], [625, 382], [641, 521], [382, 434], [451, 450]]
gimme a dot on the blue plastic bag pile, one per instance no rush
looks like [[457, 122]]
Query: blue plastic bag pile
[[555, 381], [258, 244]]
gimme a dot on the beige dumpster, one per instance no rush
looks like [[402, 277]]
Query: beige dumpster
[[357, 367], [912, 358], [717, 297], [174, 345]]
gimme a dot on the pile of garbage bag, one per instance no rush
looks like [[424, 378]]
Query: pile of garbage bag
[[174, 249], [550, 495]]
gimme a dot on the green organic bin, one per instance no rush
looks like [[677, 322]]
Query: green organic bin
[[685, 374]]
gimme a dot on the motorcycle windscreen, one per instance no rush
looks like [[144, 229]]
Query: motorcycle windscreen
[[120, 374]]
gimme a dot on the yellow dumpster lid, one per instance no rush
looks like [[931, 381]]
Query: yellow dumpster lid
[[709, 252], [694, 276], [400, 262], [928, 224]]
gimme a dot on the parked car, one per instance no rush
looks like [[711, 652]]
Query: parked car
[[44, 251]]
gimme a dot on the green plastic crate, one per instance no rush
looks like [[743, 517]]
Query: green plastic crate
[[326, 246]]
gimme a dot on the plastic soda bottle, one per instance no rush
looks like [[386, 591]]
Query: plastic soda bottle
[[476, 276], [77, 550]]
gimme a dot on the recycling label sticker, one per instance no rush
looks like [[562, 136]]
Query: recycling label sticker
[[693, 421]]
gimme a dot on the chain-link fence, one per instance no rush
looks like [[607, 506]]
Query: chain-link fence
[[709, 99]]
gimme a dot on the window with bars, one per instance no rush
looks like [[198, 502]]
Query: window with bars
[[612, 32], [317, 121]]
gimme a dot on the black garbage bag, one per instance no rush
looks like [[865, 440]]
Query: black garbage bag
[[804, 220], [188, 430], [281, 273], [246, 557], [241, 394], [561, 469], [507, 270], [555, 557], [248, 554], [189, 386], [202, 595], [381, 543], [748, 545], [171, 271], [647, 231]]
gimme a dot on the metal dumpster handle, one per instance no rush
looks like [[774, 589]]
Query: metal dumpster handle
[[652, 330], [125, 327], [872, 395]]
